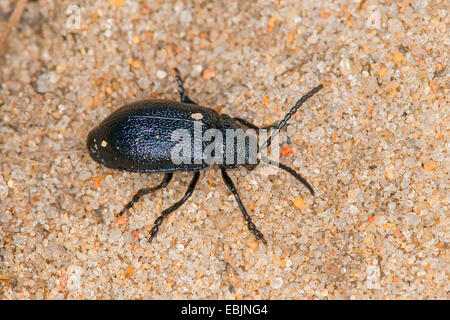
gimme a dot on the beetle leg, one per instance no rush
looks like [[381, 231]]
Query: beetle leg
[[255, 127], [175, 206], [184, 98], [144, 191], [250, 224]]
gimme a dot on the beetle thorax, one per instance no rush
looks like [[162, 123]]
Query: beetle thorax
[[239, 144]]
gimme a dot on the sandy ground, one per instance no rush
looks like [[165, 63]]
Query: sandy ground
[[373, 143]]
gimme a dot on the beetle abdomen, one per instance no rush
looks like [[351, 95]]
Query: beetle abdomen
[[141, 136]]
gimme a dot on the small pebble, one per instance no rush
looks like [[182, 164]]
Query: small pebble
[[136, 64], [413, 219], [276, 283], [121, 220], [129, 272], [353, 209], [395, 25], [344, 66], [114, 236], [430, 165], [117, 3], [299, 203], [208, 74], [160, 74]]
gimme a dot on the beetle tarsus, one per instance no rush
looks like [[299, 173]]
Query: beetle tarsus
[[250, 224], [142, 192], [256, 232], [175, 206]]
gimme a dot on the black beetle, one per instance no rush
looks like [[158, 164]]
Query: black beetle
[[138, 138]]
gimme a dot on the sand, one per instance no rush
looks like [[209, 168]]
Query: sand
[[373, 143]]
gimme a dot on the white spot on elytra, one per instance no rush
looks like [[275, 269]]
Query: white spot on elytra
[[104, 143], [197, 116]]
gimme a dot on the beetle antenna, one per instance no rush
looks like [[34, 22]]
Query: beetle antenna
[[294, 109], [295, 174]]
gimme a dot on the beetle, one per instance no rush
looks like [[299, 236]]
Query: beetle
[[138, 137]]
